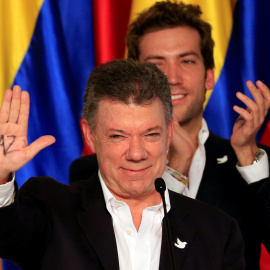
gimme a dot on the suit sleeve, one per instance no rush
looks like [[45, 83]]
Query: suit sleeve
[[234, 250], [23, 229], [262, 190]]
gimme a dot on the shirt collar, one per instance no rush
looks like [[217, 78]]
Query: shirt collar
[[110, 200], [203, 133]]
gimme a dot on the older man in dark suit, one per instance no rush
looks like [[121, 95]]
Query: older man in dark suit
[[115, 219]]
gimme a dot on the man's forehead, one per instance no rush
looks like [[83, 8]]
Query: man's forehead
[[111, 112], [183, 36], [177, 28], [113, 102]]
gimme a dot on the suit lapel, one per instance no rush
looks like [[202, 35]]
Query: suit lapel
[[219, 159], [179, 230], [96, 223]]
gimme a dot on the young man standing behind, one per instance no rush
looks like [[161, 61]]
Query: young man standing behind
[[232, 175]]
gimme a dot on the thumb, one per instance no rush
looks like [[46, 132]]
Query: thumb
[[35, 147]]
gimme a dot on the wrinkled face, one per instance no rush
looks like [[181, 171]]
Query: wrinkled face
[[176, 52], [131, 143]]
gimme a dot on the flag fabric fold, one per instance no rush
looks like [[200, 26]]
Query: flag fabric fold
[[54, 71], [58, 58], [247, 58]]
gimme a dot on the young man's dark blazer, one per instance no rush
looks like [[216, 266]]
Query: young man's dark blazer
[[53, 226], [223, 187]]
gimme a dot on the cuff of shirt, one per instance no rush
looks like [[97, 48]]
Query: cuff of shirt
[[173, 184], [7, 192], [255, 172]]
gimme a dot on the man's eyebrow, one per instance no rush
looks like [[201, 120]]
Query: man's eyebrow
[[116, 130], [159, 57], [154, 57], [153, 129], [189, 53], [147, 130]]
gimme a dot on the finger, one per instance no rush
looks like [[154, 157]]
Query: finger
[[5, 108], [176, 125], [15, 104], [244, 114], [259, 100], [255, 92], [24, 110], [266, 95], [35, 147], [253, 108], [264, 90], [181, 137]]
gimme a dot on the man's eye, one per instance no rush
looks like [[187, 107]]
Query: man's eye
[[188, 61], [116, 137], [152, 136], [157, 63]]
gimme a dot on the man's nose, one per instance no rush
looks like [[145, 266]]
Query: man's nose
[[136, 150], [173, 74]]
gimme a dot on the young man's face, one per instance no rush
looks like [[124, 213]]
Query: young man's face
[[176, 52], [130, 142]]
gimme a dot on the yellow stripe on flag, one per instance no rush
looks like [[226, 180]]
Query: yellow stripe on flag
[[17, 23], [218, 13]]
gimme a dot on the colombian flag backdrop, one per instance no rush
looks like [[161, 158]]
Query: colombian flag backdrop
[[49, 47]]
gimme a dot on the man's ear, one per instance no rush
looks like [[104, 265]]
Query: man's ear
[[210, 79], [88, 135]]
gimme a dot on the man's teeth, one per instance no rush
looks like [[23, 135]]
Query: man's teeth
[[176, 96]]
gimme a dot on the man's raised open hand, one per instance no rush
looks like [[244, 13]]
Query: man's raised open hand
[[250, 120], [14, 149]]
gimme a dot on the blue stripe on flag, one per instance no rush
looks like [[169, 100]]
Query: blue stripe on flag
[[55, 71], [248, 58]]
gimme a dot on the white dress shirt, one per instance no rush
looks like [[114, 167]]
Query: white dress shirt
[[251, 174], [7, 193], [137, 250]]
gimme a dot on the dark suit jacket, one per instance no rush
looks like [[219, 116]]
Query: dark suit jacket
[[223, 187], [52, 226]]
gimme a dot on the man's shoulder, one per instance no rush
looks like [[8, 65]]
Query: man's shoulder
[[41, 183], [198, 211], [83, 168], [216, 141], [46, 189], [217, 147]]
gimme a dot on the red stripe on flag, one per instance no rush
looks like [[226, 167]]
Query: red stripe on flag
[[111, 20], [265, 139]]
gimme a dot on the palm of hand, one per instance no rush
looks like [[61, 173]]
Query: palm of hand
[[13, 146]]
